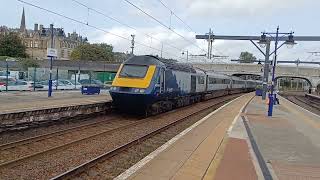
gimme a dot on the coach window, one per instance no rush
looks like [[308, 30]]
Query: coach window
[[211, 80], [200, 80]]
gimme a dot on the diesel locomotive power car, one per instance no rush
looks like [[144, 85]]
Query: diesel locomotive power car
[[150, 85]]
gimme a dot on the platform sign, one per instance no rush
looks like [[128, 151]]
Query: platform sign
[[51, 52]]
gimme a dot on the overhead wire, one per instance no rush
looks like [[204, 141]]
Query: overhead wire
[[186, 24], [162, 24], [123, 24], [164, 5], [89, 25]]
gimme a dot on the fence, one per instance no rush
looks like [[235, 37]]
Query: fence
[[36, 79]]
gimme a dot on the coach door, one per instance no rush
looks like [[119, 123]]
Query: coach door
[[162, 80], [193, 84]]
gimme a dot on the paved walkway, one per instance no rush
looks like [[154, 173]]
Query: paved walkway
[[247, 145], [189, 154], [25, 101], [289, 141]]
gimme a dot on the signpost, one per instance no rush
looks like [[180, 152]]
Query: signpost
[[51, 52]]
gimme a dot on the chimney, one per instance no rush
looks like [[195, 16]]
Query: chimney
[[41, 27], [35, 27]]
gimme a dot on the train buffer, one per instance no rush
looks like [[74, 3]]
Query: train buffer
[[239, 141]]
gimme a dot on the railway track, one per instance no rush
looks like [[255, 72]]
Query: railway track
[[95, 165], [8, 145], [82, 152], [28, 148], [307, 103], [312, 103]]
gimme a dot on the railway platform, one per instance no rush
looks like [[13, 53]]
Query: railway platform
[[13, 102], [317, 97], [22, 109], [239, 141]]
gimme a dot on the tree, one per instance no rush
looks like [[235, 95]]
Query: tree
[[12, 46], [246, 57], [93, 52], [120, 56]]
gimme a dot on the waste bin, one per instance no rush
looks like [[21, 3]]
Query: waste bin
[[258, 92], [90, 90]]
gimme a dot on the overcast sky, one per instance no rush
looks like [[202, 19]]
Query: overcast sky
[[225, 17]]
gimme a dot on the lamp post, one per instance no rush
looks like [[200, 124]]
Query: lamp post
[[187, 54], [289, 42]]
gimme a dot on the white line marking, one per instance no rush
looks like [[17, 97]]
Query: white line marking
[[237, 117], [155, 153]]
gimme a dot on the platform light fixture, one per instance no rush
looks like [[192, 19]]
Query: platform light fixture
[[263, 41], [290, 42]]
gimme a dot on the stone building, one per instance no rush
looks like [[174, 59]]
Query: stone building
[[38, 39]]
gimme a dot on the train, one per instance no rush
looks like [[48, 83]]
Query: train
[[151, 85]]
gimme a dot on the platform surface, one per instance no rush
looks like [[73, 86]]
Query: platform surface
[[289, 141], [244, 145], [25, 101], [190, 156]]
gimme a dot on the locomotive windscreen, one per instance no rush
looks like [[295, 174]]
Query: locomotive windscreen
[[133, 71]]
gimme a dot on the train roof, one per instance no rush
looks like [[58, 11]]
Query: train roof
[[218, 75], [153, 60]]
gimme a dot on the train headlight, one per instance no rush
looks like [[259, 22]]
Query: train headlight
[[136, 90], [113, 88], [142, 90]]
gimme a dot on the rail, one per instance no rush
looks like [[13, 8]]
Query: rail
[[77, 170]]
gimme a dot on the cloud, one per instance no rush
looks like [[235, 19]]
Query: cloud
[[236, 8]]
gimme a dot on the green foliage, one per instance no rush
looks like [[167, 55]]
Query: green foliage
[[3, 58], [246, 57], [93, 52], [120, 56], [27, 62], [11, 45], [259, 87]]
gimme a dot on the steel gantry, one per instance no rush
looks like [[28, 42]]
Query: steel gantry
[[263, 39]]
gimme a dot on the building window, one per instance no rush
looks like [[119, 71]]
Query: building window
[[26, 43], [45, 44], [31, 44], [36, 45]]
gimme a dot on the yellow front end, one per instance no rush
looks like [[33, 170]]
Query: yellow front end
[[132, 82]]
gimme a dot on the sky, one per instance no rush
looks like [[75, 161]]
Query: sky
[[225, 17]]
